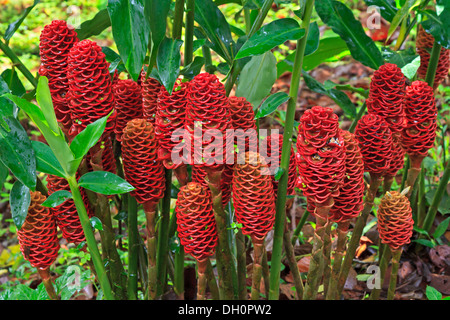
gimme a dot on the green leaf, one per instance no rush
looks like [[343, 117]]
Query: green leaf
[[113, 58], [411, 68], [16, 152], [94, 26], [401, 14], [338, 96], [313, 40], [425, 242], [46, 161], [271, 104], [387, 8], [19, 200], [96, 223], [105, 183], [156, 13], [257, 78], [279, 173], [433, 293], [341, 20], [216, 27], [131, 32], [441, 228], [12, 27], [57, 198], [12, 79], [87, 138], [270, 36], [439, 25], [194, 68], [4, 171], [44, 100], [444, 205], [168, 62]]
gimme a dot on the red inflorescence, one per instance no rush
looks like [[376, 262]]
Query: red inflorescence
[[196, 224], [37, 237], [274, 149], [207, 119], [375, 141], [395, 222], [150, 90], [169, 119], [127, 94], [90, 87], [350, 200], [243, 123], [424, 43], [398, 159], [386, 95], [66, 214], [108, 161], [199, 174], [56, 40], [421, 119], [141, 166], [320, 155], [253, 197]]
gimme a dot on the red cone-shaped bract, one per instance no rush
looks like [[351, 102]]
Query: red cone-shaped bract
[[424, 43], [274, 150], [398, 159], [253, 197], [127, 94], [141, 166], [66, 214], [349, 203], [56, 40], [196, 224], [243, 123], [395, 222], [320, 155], [386, 95], [199, 174], [90, 86], [421, 120], [207, 118], [38, 235], [169, 120], [150, 90], [103, 149], [375, 141]]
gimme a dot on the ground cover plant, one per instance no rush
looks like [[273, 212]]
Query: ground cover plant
[[225, 150]]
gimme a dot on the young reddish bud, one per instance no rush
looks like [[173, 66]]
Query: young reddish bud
[[127, 94], [150, 90]]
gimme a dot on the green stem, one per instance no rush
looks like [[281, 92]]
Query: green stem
[[280, 215], [133, 248], [359, 115], [150, 215], [178, 19], [292, 261], [202, 279], [209, 67], [90, 239], [17, 63], [258, 250], [48, 283], [383, 263], [433, 63], [421, 199], [299, 227], [342, 231], [405, 172], [241, 265], [189, 32], [396, 254], [212, 282]]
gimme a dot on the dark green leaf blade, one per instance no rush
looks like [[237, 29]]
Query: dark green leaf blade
[[46, 161], [271, 104], [156, 13], [105, 183], [12, 79], [12, 28], [313, 40], [168, 62], [439, 25], [57, 198], [94, 26], [19, 200], [387, 8]]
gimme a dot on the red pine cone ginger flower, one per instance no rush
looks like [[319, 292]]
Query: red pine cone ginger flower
[[170, 116], [424, 42], [207, 116], [349, 203], [386, 95], [141, 166], [320, 155], [243, 117], [398, 159], [150, 89], [395, 222], [253, 197], [90, 87], [421, 121], [199, 174], [275, 140], [127, 94], [196, 224], [38, 238], [375, 141], [66, 214], [56, 40]]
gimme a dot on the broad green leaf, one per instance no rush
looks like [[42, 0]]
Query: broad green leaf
[[7, 107], [387, 8], [19, 200], [16, 152], [439, 25], [168, 62], [280, 171], [441, 228], [12, 79], [411, 68], [271, 104], [425, 242], [12, 27], [156, 12], [444, 205], [3, 174], [32, 110], [46, 161], [113, 58], [131, 33], [257, 78], [57, 198], [271, 35], [87, 138], [433, 293], [105, 183], [216, 27], [44, 100], [340, 18], [94, 26], [337, 96], [313, 40], [401, 14], [194, 68], [96, 223]]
